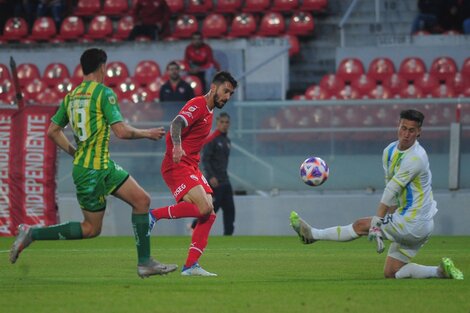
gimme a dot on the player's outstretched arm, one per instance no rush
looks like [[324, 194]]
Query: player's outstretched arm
[[123, 130], [56, 133]]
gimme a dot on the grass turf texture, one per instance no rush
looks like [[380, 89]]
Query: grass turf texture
[[256, 274]]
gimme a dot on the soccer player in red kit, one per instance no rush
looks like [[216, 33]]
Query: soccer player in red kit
[[180, 168]]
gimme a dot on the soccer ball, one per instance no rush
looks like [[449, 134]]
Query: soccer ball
[[314, 171]]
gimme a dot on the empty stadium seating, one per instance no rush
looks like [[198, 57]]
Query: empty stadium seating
[[380, 69], [54, 73], [27, 72], [227, 6], [185, 26], [100, 28], [15, 29], [243, 25], [272, 24], [116, 72], [87, 8], [146, 72], [214, 25], [412, 68], [115, 7], [72, 28], [301, 24], [44, 29]]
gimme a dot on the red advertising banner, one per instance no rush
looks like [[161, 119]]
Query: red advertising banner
[[5, 191], [32, 169]]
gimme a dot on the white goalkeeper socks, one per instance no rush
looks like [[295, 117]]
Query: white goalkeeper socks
[[337, 233], [413, 270]]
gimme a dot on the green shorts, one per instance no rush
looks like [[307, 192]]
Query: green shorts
[[94, 185]]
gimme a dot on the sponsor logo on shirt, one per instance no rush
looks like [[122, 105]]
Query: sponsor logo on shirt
[[188, 114], [192, 108], [194, 177], [112, 99]]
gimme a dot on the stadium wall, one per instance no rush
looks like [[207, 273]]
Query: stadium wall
[[269, 214]]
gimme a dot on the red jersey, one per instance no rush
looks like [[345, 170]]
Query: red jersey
[[151, 12], [198, 119]]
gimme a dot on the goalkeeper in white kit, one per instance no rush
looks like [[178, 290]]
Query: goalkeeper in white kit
[[405, 213]]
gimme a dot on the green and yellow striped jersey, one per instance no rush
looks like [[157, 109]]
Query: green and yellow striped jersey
[[90, 109]]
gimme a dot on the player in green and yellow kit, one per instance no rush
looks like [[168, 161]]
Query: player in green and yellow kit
[[92, 111]]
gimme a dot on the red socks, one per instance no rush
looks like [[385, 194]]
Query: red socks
[[199, 238], [179, 210]]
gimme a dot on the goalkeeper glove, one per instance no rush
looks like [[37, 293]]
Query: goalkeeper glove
[[375, 233]]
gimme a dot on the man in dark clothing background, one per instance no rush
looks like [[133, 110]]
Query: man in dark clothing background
[[215, 162], [175, 88]]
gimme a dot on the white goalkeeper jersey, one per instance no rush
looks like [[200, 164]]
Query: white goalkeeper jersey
[[408, 182]]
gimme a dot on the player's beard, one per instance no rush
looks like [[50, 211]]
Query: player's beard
[[218, 104]]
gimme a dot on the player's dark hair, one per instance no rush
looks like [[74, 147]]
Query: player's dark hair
[[92, 59], [412, 115], [222, 115], [222, 77]]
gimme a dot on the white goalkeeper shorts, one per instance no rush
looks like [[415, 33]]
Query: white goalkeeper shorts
[[406, 237]]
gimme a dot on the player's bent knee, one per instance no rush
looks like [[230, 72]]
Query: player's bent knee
[[389, 274]]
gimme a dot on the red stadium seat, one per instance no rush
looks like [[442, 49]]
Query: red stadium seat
[[27, 72], [294, 45], [443, 68], [284, 5], [313, 5], [256, 6], [72, 28], [185, 26], [63, 87], [4, 72], [100, 28], [380, 92], [466, 68], [227, 6], [87, 8], [380, 69], [176, 6], [15, 29], [214, 25], [125, 88], [116, 72], [243, 25], [315, 92], [272, 24], [412, 68], [32, 89], [348, 93], [199, 6], [459, 83], [443, 91], [195, 83], [411, 92], [7, 91], [332, 83], [48, 97], [154, 88], [364, 84], [146, 72], [301, 24], [115, 7], [124, 27], [44, 29], [427, 83], [395, 83], [77, 76], [55, 73], [349, 69]]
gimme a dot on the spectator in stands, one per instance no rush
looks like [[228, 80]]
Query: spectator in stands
[[404, 214], [455, 15], [428, 16], [175, 89], [151, 19], [53, 8], [200, 59]]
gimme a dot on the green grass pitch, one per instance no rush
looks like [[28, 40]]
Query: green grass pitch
[[256, 274]]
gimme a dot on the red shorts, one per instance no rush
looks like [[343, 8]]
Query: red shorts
[[182, 178]]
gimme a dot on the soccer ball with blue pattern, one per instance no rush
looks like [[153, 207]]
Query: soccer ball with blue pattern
[[314, 171]]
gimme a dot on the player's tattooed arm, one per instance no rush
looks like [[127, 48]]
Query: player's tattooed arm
[[175, 129]]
